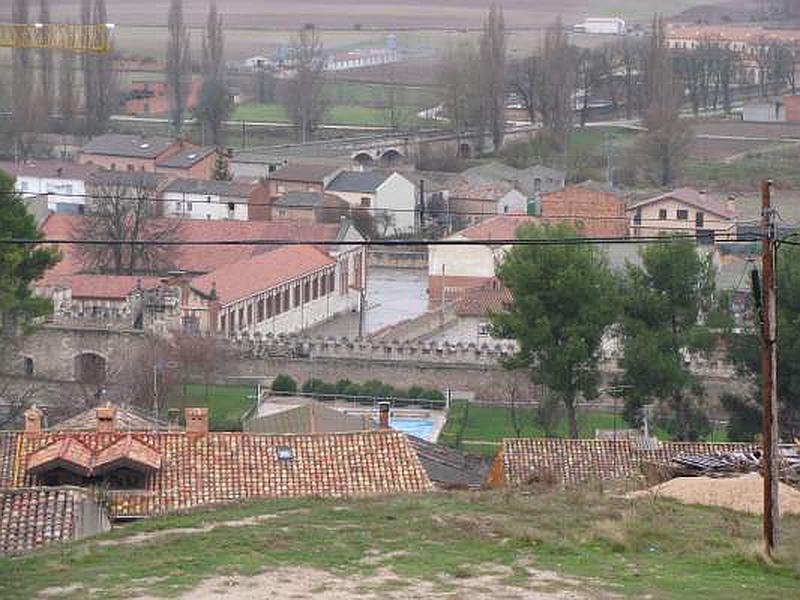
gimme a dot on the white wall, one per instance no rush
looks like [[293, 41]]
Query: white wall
[[198, 206], [513, 203], [59, 189], [399, 195], [463, 261]]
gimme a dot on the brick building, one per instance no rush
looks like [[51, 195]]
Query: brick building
[[590, 206]]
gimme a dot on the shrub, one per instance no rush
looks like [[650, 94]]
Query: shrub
[[284, 383]]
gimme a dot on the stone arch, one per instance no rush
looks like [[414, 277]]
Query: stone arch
[[391, 157], [364, 159], [464, 150], [90, 367]]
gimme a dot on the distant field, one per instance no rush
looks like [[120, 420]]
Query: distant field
[[339, 114]]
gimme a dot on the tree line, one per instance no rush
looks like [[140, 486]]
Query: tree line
[[570, 313]]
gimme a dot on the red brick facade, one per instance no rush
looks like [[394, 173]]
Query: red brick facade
[[601, 213]]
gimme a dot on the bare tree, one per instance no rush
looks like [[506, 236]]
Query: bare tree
[[557, 81], [214, 104], [66, 89], [178, 64], [89, 74], [525, 78], [21, 83], [493, 73], [104, 76], [121, 209], [303, 94], [667, 134], [457, 100], [591, 71], [46, 68]]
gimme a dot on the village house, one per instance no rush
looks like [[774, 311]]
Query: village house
[[62, 183], [315, 207], [151, 472], [683, 211], [478, 199], [454, 269], [297, 177], [531, 181], [122, 152], [182, 298], [590, 206], [209, 199], [389, 197]]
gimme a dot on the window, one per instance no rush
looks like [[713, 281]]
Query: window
[[323, 285], [285, 454], [682, 214], [286, 299], [28, 366], [269, 307], [537, 185], [113, 166], [306, 291], [189, 206], [178, 206], [699, 219], [662, 214], [260, 311], [366, 202], [241, 318], [249, 314], [297, 295], [637, 217], [231, 209], [505, 208], [483, 329], [131, 167], [332, 281], [315, 289], [222, 322], [278, 303]]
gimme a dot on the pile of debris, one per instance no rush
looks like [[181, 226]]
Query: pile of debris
[[727, 464]]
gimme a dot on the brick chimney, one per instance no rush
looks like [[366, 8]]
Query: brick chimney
[[383, 415], [106, 419], [197, 421], [33, 420]]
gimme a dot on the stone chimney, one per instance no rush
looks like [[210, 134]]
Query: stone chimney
[[197, 421], [106, 419], [33, 420], [383, 415]]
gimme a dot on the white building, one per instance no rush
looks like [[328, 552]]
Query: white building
[[211, 200], [390, 197], [64, 183], [602, 26]]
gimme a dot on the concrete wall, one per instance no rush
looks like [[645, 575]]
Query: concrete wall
[[651, 224], [59, 191], [204, 206], [398, 259]]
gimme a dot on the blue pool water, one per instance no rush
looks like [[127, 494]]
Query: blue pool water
[[418, 427]]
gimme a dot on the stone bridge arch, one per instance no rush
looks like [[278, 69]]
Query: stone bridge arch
[[90, 366], [391, 157]]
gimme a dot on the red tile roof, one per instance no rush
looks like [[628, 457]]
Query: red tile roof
[[525, 460], [34, 517], [480, 190], [501, 227], [67, 453], [127, 452], [304, 172], [693, 198], [107, 287], [224, 467], [483, 300], [199, 259], [252, 275]]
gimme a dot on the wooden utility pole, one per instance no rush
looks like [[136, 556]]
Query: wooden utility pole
[[769, 370]]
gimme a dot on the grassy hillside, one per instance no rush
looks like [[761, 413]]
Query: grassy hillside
[[463, 545]]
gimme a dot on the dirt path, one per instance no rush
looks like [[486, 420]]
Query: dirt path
[[296, 583]]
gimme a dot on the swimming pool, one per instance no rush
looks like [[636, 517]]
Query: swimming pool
[[422, 428]]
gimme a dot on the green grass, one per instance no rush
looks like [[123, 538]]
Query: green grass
[[632, 548], [339, 114], [226, 403]]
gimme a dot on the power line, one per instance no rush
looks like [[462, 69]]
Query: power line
[[367, 243]]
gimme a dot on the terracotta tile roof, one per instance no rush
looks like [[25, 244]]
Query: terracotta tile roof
[[128, 179], [297, 414], [224, 467], [126, 420], [48, 168], [34, 517], [127, 452], [480, 189], [501, 227], [225, 189], [10, 446], [693, 198], [304, 172], [252, 275], [575, 461], [200, 259], [480, 301], [107, 287], [66, 453]]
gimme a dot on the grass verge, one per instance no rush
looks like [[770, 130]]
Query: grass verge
[[632, 547]]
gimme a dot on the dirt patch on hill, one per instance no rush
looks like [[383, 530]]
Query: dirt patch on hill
[[744, 494], [488, 584]]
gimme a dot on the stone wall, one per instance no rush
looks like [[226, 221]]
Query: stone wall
[[398, 258]]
